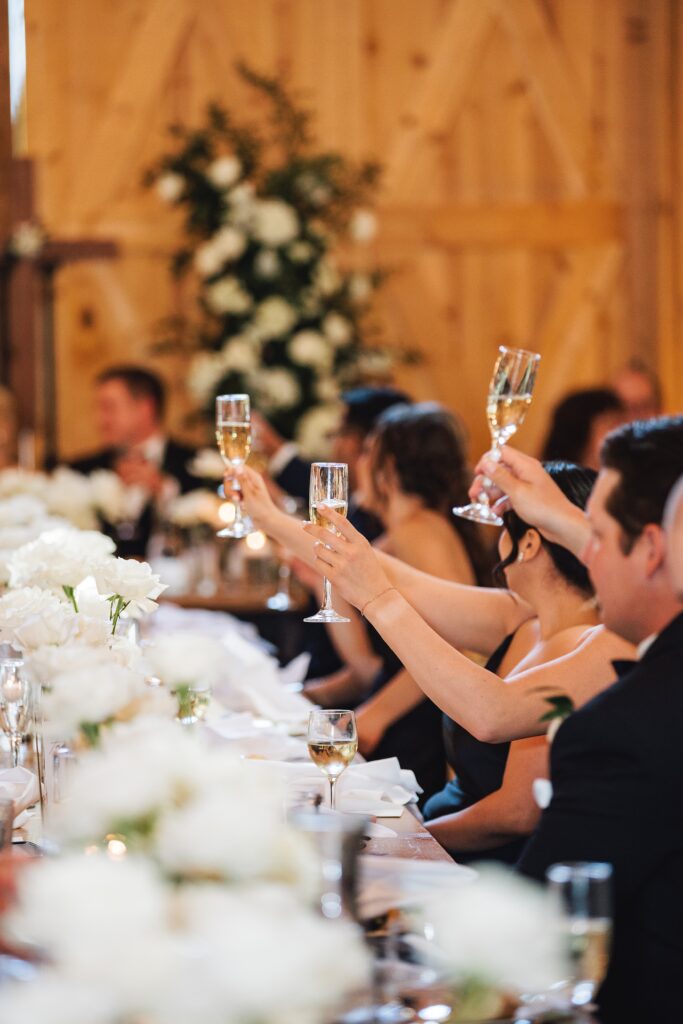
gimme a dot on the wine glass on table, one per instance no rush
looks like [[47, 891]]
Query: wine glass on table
[[329, 486], [233, 434], [15, 703], [509, 397], [332, 743]]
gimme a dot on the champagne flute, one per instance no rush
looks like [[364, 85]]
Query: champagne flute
[[233, 434], [15, 703], [329, 486], [332, 743], [584, 891], [509, 397]]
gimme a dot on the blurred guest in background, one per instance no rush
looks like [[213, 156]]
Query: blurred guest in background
[[129, 409], [639, 390], [578, 425]]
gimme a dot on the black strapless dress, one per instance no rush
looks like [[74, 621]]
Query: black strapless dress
[[479, 769], [417, 739]]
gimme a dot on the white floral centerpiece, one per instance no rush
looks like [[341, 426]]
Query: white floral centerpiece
[[279, 319]]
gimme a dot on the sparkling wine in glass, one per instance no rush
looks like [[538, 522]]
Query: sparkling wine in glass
[[329, 487], [509, 397], [15, 703], [584, 890], [233, 434], [332, 743]]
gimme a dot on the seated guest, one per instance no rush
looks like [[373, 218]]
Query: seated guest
[[362, 406], [412, 473], [639, 390], [129, 404], [488, 809], [579, 424], [617, 764]]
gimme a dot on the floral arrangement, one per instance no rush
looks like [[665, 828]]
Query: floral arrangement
[[263, 212]]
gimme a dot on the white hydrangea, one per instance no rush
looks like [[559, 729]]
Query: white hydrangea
[[301, 251], [274, 317], [228, 296], [363, 226], [276, 388], [326, 389], [326, 279], [274, 222], [310, 348], [208, 260], [206, 370], [338, 329], [239, 354], [316, 426], [170, 187], [226, 245], [224, 171]]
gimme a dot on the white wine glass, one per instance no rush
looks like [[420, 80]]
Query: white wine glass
[[584, 891], [509, 397], [233, 434], [15, 704], [332, 743], [329, 486]]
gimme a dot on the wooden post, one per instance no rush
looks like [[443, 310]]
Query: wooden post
[[5, 127]]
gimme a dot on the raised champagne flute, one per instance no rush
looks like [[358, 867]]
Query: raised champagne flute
[[332, 743], [233, 434], [329, 486], [509, 397]]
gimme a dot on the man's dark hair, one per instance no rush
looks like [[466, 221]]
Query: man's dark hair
[[648, 456], [139, 382], [576, 483], [364, 405], [572, 420]]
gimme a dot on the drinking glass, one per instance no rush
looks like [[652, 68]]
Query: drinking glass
[[509, 397], [584, 890], [233, 434], [329, 486], [15, 703], [332, 743]]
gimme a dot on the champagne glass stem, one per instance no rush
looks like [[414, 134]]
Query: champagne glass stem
[[496, 452], [332, 793], [327, 595], [15, 748], [237, 501]]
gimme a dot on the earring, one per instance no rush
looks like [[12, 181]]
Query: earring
[[520, 556]]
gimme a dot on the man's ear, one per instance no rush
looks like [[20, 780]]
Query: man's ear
[[653, 542]]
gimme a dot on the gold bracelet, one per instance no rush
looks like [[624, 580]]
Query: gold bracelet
[[375, 598]]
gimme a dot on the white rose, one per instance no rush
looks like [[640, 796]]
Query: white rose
[[30, 605], [315, 427], [133, 581], [301, 252], [326, 278], [21, 510], [194, 509], [337, 328], [170, 187], [59, 558], [267, 264], [187, 658], [94, 694], [276, 388], [207, 465], [327, 389], [68, 494], [207, 259], [21, 481], [274, 222], [226, 245], [274, 317], [239, 354], [363, 226], [228, 296], [310, 348], [109, 495], [224, 171]]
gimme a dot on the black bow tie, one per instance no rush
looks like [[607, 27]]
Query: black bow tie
[[623, 665]]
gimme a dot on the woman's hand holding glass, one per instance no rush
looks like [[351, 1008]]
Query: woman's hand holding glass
[[348, 561]]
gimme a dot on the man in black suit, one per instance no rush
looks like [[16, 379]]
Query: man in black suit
[[129, 404], [617, 763]]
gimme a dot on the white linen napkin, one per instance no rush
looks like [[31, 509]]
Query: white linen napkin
[[388, 882], [21, 786], [255, 738]]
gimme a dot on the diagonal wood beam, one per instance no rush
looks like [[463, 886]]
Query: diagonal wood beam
[[554, 86], [109, 158], [440, 92]]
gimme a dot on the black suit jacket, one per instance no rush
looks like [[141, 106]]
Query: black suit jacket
[[174, 464], [617, 775]]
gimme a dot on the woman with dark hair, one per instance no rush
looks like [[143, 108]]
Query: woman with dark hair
[[488, 809], [413, 470], [579, 424]]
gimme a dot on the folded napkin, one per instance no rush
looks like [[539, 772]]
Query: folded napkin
[[21, 786], [255, 738], [389, 882]]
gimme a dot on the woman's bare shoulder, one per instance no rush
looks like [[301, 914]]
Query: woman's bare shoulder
[[604, 641], [428, 542]]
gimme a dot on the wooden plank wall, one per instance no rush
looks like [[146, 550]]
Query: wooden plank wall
[[531, 191]]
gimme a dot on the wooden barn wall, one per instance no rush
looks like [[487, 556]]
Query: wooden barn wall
[[531, 189]]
